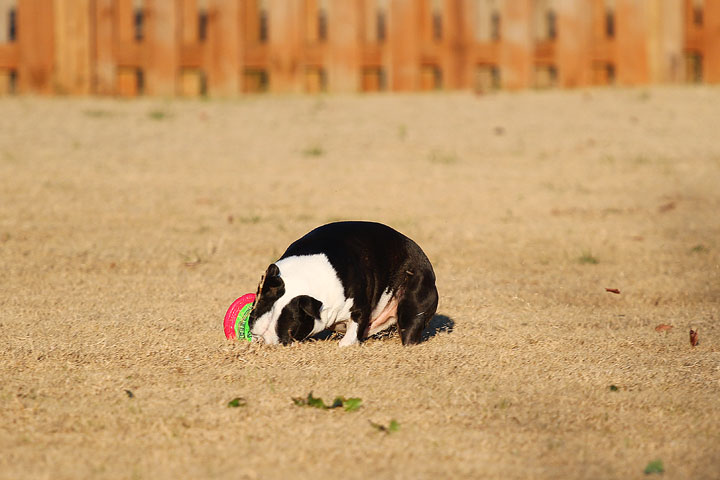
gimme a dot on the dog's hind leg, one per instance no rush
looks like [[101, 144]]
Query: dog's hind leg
[[417, 306]]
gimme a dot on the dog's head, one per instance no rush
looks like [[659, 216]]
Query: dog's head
[[279, 316]]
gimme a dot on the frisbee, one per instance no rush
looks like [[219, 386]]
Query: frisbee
[[237, 316]]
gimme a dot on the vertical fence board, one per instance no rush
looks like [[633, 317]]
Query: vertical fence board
[[574, 26], [666, 41], [35, 46], [161, 47], [455, 45], [72, 46], [711, 47], [404, 48], [632, 59], [223, 52], [101, 48], [287, 68], [344, 45], [516, 53]]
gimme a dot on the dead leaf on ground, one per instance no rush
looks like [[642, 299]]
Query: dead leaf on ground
[[694, 337], [663, 328], [667, 207], [612, 290]]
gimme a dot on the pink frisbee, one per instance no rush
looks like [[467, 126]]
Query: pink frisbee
[[236, 323]]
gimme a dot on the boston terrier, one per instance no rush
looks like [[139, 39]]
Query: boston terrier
[[354, 277]]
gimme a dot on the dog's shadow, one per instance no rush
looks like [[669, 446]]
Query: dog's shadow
[[438, 324]]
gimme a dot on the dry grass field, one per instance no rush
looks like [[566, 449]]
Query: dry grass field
[[128, 227]]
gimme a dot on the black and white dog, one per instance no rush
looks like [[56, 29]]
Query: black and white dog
[[357, 277]]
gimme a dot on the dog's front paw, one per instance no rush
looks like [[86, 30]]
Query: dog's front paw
[[351, 337]]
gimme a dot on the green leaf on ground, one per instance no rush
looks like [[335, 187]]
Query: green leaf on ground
[[349, 404], [157, 115], [587, 258], [237, 402], [352, 404], [314, 151], [656, 466], [315, 402]]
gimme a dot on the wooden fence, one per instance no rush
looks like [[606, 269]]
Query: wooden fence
[[227, 47]]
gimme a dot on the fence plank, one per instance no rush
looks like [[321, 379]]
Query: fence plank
[[35, 30], [223, 50], [72, 47], [161, 47]]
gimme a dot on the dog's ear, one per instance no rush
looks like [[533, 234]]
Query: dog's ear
[[270, 283], [311, 306], [270, 288], [273, 280], [272, 270]]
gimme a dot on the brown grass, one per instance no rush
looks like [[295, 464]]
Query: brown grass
[[124, 237]]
